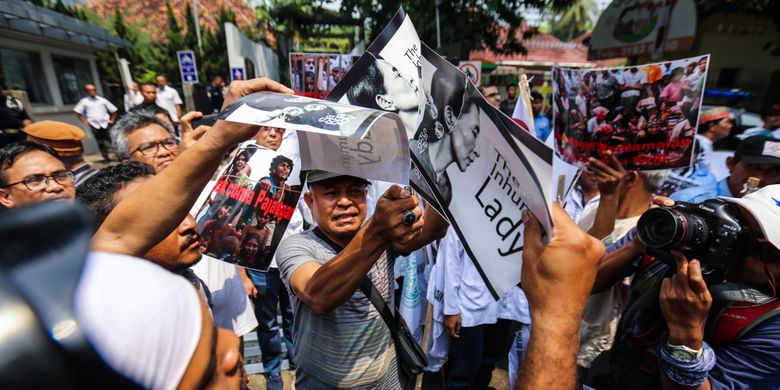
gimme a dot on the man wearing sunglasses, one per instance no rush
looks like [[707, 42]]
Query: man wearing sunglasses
[[31, 173], [145, 138]]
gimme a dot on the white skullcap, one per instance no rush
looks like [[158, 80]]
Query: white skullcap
[[144, 321], [764, 204]]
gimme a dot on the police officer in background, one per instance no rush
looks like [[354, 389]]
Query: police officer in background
[[13, 117], [215, 92]]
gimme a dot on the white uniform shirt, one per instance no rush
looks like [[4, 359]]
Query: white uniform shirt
[[168, 98], [97, 110], [133, 99], [464, 291], [704, 157]]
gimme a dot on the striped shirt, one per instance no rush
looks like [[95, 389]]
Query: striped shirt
[[350, 347]]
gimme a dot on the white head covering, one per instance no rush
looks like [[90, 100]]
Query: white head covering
[[764, 204], [144, 321]]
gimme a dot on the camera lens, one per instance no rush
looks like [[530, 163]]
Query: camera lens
[[666, 228], [659, 228]]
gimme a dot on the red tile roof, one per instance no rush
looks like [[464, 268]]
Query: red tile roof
[[152, 16], [545, 49]]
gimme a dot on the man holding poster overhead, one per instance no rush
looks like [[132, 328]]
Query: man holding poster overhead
[[323, 269]]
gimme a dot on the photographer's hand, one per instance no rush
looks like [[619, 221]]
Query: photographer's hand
[[685, 303]]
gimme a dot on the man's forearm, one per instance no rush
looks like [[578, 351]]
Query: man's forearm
[[333, 283], [552, 350], [604, 222], [613, 267], [152, 211], [667, 384]]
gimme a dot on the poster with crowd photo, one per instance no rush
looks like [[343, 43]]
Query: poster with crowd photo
[[334, 137], [315, 74], [478, 165], [248, 209], [645, 114]]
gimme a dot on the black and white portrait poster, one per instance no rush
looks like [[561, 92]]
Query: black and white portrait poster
[[334, 137], [645, 114], [479, 167], [246, 212]]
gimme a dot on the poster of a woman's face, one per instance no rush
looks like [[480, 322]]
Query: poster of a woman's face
[[401, 90], [464, 135]]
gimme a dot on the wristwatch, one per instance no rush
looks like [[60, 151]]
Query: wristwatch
[[684, 353]]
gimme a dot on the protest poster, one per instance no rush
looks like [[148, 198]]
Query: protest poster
[[247, 211], [315, 74], [243, 216], [646, 114], [334, 137], [478, 165]]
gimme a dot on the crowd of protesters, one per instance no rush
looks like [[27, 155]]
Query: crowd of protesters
[[651, 104], [594, 311]]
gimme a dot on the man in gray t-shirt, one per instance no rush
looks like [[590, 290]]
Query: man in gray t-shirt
[[339, 338]]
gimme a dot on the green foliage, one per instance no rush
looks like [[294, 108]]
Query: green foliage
[[573, 21], [465, 24], [148, 58]]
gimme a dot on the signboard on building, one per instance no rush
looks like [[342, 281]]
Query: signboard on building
[[630, 28], [187, 67], [237, 74], [472, 69]]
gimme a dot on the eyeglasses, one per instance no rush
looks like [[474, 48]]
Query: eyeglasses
[[151, 148], [41, 182]]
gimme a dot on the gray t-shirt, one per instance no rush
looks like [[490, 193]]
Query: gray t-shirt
[[350, 347]]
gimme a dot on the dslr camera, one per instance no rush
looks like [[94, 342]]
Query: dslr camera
[[711, 231]]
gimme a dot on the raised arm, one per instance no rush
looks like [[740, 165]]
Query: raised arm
[[609, 178], [557, 279], [152, 211]]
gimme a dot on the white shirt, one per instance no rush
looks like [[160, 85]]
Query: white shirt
[[706, 151], [464, 291], [232, 307], [133, 101], [168, 98], [602, 310], [630, 78], [97, 110]]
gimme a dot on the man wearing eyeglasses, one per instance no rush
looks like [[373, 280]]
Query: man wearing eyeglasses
[[145, 138], [491, 95], [99, 114], [32, 173]]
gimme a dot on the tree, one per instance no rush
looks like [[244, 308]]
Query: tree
[[465, 24], [215, 61], [574, 21]]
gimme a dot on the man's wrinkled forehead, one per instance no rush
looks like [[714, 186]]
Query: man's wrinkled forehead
[[26, 164]]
